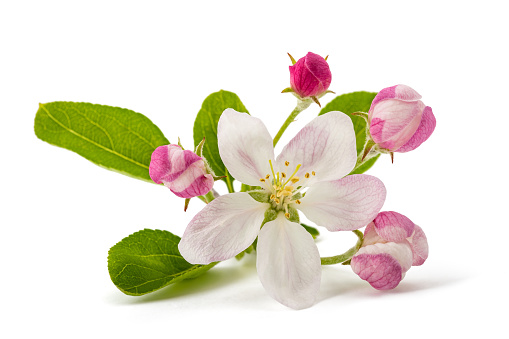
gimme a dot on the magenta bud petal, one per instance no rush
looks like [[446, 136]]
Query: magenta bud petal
[[419, 244], [426, 127], [393, 226], [310, 76], [382, 271], [382, 265], [398, 120], [182, 171]]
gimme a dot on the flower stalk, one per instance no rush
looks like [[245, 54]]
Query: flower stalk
[[301, 106], [338, 259]]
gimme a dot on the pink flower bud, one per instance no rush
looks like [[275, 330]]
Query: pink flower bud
[[398, 120], [310, 76], [183, 172], [392, 244]]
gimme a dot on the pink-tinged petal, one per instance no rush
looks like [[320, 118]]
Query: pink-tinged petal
[[400, 92], [192, 182], [419, 245], [394, 122], [386, 93], [326, 146], [245, 146], [169, 161], [393, 226], [346, 204], [182, 171], [423, 132], [406, 93], [370, 236], [288, 263], [222, 229], [382, 265]]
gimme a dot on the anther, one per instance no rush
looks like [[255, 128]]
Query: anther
[[297, 201], [306, 175], [283, 175], [287, 215], [276, 201], [262, 180], [294, 180], [313, 173], [289, 188], [267, 176], [287, 163]]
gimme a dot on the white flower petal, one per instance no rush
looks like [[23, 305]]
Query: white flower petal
[[223, 229], [346, 204], [245, 146], [326, 146], [288, 263]]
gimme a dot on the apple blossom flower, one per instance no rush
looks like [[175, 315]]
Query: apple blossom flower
[[308, 175], [310, 76], [182, 171], [398, 120], [392, 244]]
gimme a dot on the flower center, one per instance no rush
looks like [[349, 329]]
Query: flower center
[[285, 189]]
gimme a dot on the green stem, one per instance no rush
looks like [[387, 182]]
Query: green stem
[[337, 259], [209, 197], [229, 184], [301, 105]]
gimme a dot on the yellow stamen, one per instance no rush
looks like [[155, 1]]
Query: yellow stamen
[[293, 174], [283, 175], [297, 201], [289, 188], [278, 194], [287, 215], [287, 163], [277, 200], [272, 169], [306, 175], [267, 176], [272, 197], [262, 180], [294, 180], [313, 173], [284, 193]]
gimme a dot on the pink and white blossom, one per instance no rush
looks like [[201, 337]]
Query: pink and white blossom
[[310, 76], [182, 171], [398, 120], [392, 244], [308, 175]]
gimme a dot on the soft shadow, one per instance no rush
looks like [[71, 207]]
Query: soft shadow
[[220, 276], [337, 282]]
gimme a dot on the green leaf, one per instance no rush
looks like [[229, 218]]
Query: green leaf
[[350, 103], [149, 260], [311, 230], [205, 125], [114, 138]]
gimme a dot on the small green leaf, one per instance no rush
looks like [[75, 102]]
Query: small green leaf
[[115, 138], [313, 231], [350, 103], [205, 125], [149, 260]]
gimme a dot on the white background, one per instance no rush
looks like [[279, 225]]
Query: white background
[[60, 213]]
